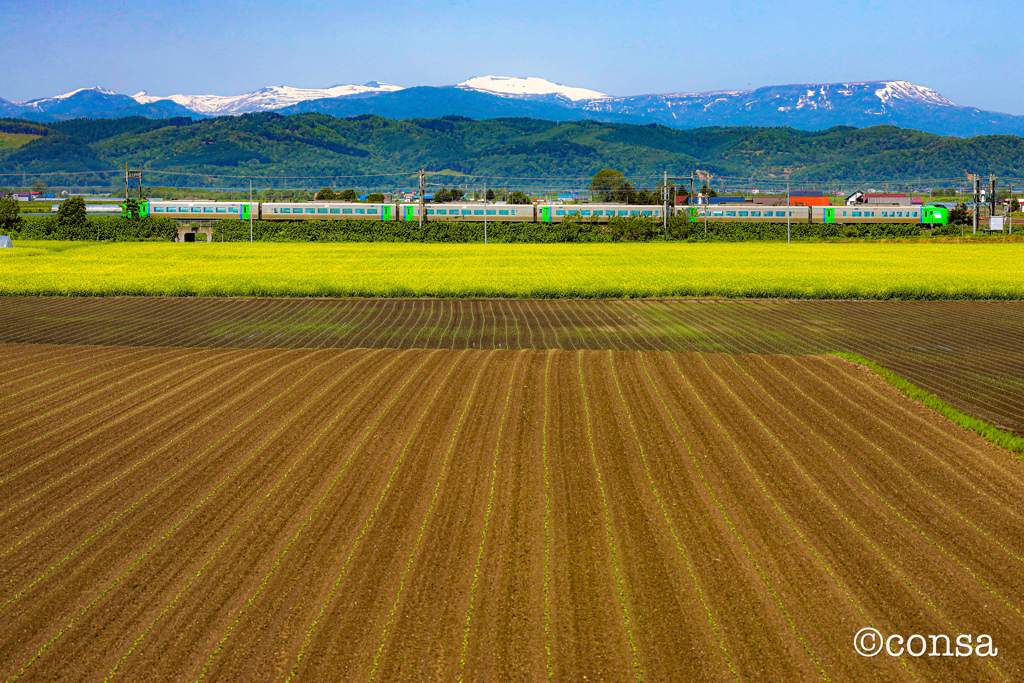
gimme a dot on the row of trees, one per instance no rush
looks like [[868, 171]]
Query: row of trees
[[349, 195], [71, 217], [609, 185]]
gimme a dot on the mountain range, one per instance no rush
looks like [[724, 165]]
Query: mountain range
[[804, 106]]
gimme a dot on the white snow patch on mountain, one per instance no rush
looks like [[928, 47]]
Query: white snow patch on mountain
[[44, 100], [264, 99], [902, 90], [511, 86]]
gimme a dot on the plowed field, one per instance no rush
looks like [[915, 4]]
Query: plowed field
[[437, 514], [969, 353]]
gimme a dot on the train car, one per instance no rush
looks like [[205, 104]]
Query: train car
[[202, 210], [456, 212], [320, 211], [749, 213], [599, 213]]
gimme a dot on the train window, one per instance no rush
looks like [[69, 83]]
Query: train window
[[335, 210], [743, 213], [856, 214], [730, 213], [900, 214], [623, 213], [913, 215], [467, 212], [346, 210], [869, 214], [372, 211], [321, 210], [573, 212], [283, 210], [755, 213], [844, 213], [208, 209], [478, 212], [502, 212], [221, 209], [430, 212], [362, 211], [584, 213], [492, 212], [780, 213], [886, 213], [158, 209], [310, 210], [559, 213], [634, 213]]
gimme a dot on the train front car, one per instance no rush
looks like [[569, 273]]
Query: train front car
[[867, 213], [327, 211], [934, 215]]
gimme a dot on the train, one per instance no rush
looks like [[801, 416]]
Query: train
[[204, 212]]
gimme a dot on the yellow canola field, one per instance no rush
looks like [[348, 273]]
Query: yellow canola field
[[749, 269]]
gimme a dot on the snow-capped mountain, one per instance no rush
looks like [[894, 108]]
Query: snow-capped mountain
[[803, 106], [43, 103], [264, 99], [531, 87]]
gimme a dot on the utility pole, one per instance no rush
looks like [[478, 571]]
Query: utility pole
[[250, 210], [485, 212], [788, 214], [992, 194], [664, 208], [423, 189], [977, 202]]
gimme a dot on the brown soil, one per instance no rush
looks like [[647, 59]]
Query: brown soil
[[967, 352], [494, 515]]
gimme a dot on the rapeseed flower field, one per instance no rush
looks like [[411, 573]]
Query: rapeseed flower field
[[751, 269]]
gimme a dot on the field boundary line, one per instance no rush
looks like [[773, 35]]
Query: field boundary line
[[985, 584], [959, 476], [982, 451], [547, 520], [732, 527], [664, 511], [835, 506], [986, 430], [426, 516], [487, 518], [327, 387], [609, 535], [373, 513], [174, 528]]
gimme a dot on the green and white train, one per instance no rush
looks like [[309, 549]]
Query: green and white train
[[204, 212]]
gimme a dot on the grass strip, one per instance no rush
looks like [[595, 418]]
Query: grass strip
[[988, 431]]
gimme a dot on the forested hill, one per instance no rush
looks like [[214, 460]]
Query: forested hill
[[307, 145]]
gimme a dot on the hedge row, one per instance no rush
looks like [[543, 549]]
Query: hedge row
[[106, 228], [618, 230]]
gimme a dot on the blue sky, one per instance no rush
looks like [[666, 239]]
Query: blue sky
[[224, 48]]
